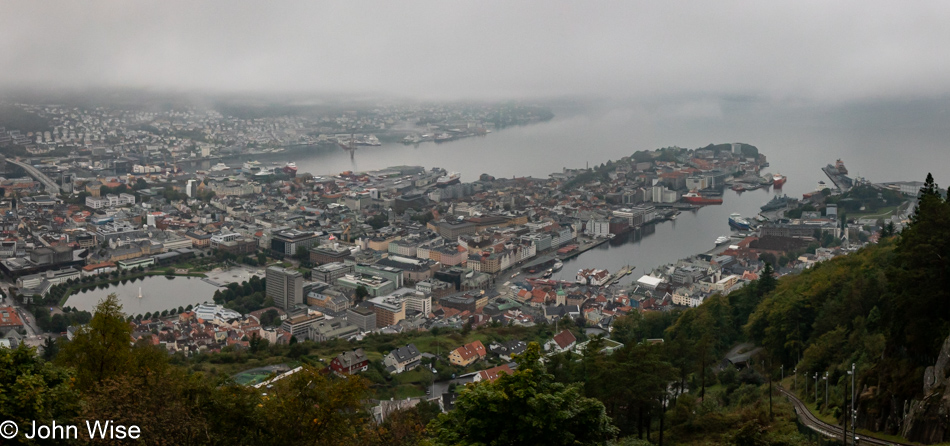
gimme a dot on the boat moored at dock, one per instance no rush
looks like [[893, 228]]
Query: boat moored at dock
[[738, 222], [693, 197]]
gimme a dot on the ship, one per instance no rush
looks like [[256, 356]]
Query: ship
[[840, 166], [264, 172], [290, 169], [722, 239], [778, 180], [738, 222], [557, 266], [220, 167], [251, 166], [777, 202], [694, 197], [448, 179]]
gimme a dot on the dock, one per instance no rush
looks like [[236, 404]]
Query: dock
[[619, 275], [583, 248], [841, 181]]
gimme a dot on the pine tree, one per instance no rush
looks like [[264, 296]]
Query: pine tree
[[766, 280]]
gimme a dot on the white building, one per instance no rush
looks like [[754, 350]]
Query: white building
[[110, 201], [597, 227]]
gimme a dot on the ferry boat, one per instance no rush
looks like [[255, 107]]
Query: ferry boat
[[264, 172], [449, 179], [220, 167], [251, 166], [557, 266], [738, 222], [778, 180], [694, 197], [290, 168], [722, 239]]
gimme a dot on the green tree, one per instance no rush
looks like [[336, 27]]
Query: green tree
[[50, 348], [766, 282], [102, 349], [309, 407], [361, 293], [378, 221], [270, 318], [32, 389], [497, 413], [302, 254]]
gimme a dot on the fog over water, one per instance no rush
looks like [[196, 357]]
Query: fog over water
[[882, 141]]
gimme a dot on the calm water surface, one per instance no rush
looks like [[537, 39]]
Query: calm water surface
[[158, 293], [880, 141]]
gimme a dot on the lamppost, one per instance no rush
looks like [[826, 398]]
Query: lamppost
[[826, 389], [782, 368], [806, 385], [795, 372], [846, 413], [854, 409], [816, 390]]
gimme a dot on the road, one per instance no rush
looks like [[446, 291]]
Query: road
[[826, 429], [51, 186]]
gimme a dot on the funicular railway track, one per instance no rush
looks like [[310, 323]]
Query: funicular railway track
[[827, 429]]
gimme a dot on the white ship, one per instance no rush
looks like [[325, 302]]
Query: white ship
[[219, 167], [722, 239], [251, 166], [449, 179]]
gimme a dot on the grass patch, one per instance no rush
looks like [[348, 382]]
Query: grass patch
[[250, 378], [877, 213]]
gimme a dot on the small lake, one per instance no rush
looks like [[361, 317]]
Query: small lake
[[158, 293]]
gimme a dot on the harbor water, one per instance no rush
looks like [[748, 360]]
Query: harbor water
[[881, 141]]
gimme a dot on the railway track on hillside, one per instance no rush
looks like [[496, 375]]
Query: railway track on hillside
[[827, 429]]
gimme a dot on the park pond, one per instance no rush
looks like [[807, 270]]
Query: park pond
[[147, 294]]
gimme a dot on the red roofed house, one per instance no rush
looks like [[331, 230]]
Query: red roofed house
[[562, 341], [467, 354], [9, 318], [350, 362], [492, 374]]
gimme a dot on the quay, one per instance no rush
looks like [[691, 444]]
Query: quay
[[619, 275], [583, 248]]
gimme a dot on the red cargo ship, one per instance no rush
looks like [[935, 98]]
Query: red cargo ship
[[694, 197], [778, 180]]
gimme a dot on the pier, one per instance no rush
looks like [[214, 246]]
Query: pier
[[619, 275], [584, 248]]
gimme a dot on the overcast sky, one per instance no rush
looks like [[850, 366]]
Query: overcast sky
[[803, 51]]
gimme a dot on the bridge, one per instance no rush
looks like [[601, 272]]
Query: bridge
[[51, 186]]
